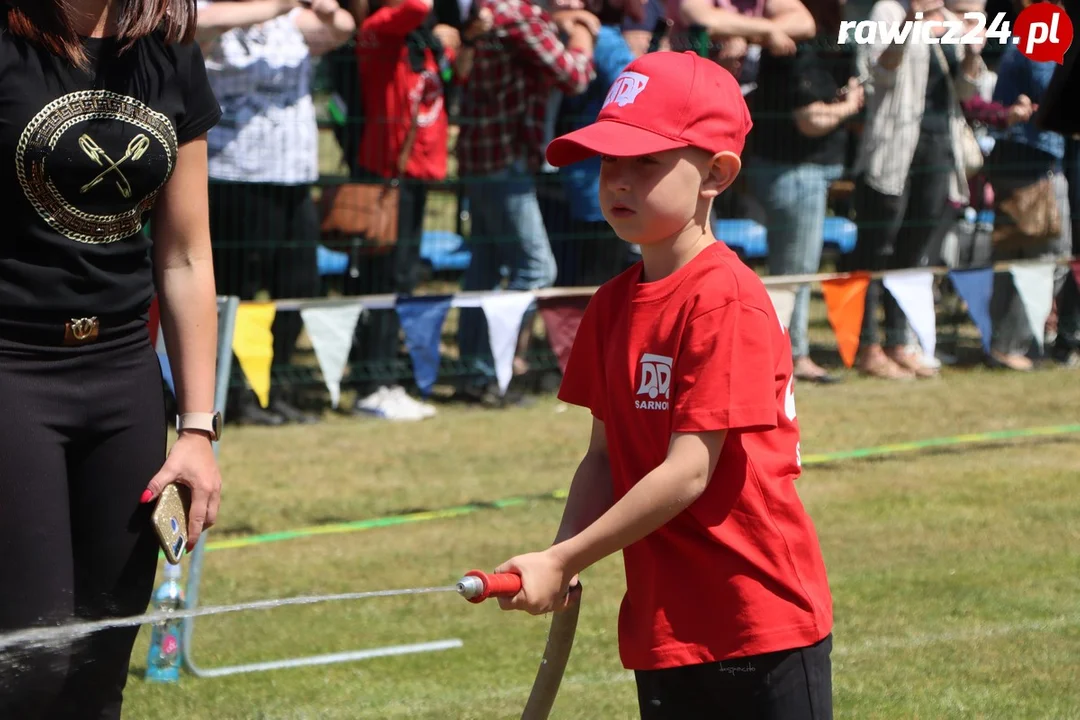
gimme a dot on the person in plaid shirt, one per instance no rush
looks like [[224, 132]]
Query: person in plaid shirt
[[500, 147]]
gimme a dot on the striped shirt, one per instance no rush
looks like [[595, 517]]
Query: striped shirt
[[268, 132], [895, 103]]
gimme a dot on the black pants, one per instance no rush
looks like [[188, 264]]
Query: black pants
[[897, 231], [787, 685], [397, 272], [82, 433], [265, 237], [1068, 338]]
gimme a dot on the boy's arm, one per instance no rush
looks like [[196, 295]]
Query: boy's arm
[[658, 497]]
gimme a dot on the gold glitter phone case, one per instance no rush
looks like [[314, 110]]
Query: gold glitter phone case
[[170, 520]]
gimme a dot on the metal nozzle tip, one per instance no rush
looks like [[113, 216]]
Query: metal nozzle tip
[[470, 587]]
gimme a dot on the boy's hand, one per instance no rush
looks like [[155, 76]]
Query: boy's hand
[[545, 586]]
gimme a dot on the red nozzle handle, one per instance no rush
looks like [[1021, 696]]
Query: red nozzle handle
[[495, 585]]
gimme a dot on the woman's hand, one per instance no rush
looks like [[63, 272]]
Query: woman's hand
[[191, 462], [1020, 111], [481, 25], [854, 94]]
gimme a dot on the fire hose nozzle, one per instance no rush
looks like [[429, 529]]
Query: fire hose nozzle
[[477, 586]]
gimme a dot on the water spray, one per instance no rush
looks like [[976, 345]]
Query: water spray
[[476, 587]]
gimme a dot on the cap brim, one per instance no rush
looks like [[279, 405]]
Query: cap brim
[[607, 138]]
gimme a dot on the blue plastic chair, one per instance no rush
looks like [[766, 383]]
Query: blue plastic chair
[[746, 237], [444, 250], [331, 262], [841, 234]]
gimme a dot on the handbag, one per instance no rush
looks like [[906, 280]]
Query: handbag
[[971, 155], [368, 211], [1030, 214]]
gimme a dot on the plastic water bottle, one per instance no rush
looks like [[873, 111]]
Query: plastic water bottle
[[163, 660]]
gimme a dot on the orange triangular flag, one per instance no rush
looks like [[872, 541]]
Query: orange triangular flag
[[845, 300]]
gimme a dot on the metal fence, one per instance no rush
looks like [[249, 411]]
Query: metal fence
[[315, 264]]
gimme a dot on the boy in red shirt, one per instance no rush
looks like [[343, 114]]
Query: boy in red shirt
[[694, 452]]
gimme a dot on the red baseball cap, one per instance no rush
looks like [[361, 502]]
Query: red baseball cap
[[662, 101]]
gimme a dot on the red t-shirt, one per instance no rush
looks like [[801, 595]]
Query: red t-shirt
[[740, 571], [390, 90]]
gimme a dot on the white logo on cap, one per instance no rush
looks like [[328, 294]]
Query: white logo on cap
[[625, 89]]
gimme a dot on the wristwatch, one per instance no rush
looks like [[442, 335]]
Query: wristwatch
[[206, 422]]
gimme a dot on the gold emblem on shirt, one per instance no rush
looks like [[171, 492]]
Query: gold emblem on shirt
[[105, 206]]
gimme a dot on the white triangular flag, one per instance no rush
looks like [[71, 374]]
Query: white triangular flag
[[783, 300], [914, 293], [331, 332], [1035, 286], [504, 311]]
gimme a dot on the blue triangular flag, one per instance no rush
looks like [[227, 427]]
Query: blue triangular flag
[[166, 372], [422, 320], [975, 287]]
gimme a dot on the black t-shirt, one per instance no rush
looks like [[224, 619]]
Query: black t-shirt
[[83, 156], [815, 73]]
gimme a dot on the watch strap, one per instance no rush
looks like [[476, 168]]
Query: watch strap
[[206, 422]]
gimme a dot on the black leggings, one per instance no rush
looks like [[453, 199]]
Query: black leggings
[[266, 237], [82, 432]]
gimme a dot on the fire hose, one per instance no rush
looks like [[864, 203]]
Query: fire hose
[[475, 586]]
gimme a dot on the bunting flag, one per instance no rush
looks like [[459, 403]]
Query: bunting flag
[[914, 293], [253, 345], [504, 311], [845, 300], [1035, 286], [1075, 265], [783, 300], [331, 330], [157, 339], [155, 321], [166, 372], [422, 321], [976, 287], [562, 316]]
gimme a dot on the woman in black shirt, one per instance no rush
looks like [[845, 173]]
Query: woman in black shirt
[[104, 106], [801, 107]]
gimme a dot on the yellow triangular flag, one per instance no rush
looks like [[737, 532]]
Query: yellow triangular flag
[[253, 345]]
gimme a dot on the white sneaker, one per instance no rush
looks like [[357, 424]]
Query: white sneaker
[[923, 359], [385, 403], [406, 400], [372, 404]]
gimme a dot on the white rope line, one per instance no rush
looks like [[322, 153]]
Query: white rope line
[[471, 298]]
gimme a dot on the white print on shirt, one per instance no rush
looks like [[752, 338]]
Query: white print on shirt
[[789, 399], [789, 411], [655, 382], [626, 88], [427, 98]]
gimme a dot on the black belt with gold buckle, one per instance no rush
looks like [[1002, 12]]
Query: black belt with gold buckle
[[81, 331]]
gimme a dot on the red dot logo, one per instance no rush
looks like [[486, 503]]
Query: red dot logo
[[1044, 32]]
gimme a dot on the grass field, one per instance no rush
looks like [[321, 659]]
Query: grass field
[[955, 573]]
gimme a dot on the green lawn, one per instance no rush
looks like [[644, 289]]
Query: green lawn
[[955, 573]]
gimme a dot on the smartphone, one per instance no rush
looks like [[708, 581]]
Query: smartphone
[[170, 520]]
